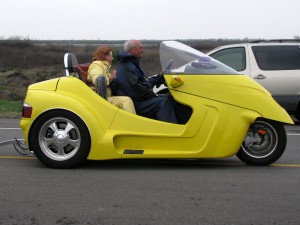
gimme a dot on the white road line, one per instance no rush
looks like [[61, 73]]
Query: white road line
[[8, 128]]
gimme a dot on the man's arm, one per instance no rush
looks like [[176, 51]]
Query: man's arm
[[139, 84], [156, 79]]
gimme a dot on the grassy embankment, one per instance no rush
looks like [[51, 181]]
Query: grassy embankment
[[10, 109], [25, 62]]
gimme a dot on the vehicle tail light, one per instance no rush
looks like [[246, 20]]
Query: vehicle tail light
[[27, 110]]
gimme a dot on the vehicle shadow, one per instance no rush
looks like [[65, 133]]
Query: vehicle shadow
[[163, 164]]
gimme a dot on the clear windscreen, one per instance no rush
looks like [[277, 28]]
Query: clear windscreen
[[176, 57]]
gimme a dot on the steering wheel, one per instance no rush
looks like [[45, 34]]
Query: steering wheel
[[168, 66], [163, 84]]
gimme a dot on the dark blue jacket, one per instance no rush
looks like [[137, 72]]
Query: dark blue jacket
[[132, 81]]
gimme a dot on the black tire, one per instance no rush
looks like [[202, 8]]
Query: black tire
[[60, 139], [297, 115], [264, 143]]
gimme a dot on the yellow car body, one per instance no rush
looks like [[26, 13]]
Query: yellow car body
[[223, 109]]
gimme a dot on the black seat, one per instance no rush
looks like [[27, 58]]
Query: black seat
[[70, 63], [73, 68]]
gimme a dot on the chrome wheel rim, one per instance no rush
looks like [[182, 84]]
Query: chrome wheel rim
[[59, 139]]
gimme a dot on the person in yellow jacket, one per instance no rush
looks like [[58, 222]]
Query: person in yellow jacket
[[99, 71]]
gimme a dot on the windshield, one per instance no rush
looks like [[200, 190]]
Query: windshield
[[176, 57]]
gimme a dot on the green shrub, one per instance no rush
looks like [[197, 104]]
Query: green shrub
[[10, 106]]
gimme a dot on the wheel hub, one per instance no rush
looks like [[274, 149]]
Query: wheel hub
[[261, 140], [60, 138]]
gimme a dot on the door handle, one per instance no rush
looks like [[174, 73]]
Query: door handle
[[260, 77]]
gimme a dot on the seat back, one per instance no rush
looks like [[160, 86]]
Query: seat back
[[70, 63], [73, 68]]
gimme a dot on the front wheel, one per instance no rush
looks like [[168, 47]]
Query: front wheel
[[264, 143], [60, 139]]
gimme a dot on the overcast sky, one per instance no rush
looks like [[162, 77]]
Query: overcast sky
[[149, 19]]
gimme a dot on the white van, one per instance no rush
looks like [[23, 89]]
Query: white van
[[274, 64]]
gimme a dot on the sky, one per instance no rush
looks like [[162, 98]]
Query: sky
[[149, 19]]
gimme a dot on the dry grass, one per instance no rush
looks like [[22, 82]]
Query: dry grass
[[22, 64]]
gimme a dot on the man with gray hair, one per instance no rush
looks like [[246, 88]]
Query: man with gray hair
[[132, 81]]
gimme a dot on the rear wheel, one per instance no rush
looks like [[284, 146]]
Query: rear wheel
[[264, 143], [60, 139]]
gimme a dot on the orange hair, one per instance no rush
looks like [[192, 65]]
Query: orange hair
[[101, 52]]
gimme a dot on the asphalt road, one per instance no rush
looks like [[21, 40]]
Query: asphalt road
[[222, 191]]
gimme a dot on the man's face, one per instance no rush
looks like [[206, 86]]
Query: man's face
[[138, 50]]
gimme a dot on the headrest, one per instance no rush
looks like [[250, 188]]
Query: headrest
[[70, 63]]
